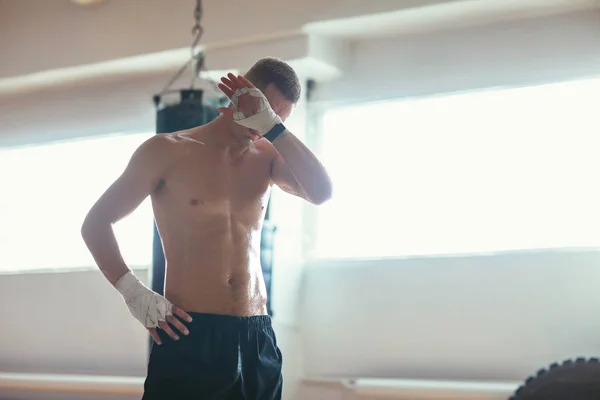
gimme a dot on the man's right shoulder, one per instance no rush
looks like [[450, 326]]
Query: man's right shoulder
[[160, 141], [156, 153], [161, 144]]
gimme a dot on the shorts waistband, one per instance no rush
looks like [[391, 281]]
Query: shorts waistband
[[256, 322]]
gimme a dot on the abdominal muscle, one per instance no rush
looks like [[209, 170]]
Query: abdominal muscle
[[213, 266]]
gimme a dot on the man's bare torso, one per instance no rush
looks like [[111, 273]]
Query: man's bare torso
[[209, 207]]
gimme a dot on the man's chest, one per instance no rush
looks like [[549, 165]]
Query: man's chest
[[219, 179]]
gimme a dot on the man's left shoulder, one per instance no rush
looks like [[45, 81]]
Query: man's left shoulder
[[265, 147]]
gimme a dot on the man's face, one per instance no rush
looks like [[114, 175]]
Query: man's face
[[282, 107]]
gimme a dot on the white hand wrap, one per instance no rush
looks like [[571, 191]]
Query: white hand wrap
[[264, 119], [145, 305]]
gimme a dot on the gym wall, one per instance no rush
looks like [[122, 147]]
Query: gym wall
[[480, 317], [485, 317]]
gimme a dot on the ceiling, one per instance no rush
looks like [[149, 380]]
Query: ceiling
[[444, 15]]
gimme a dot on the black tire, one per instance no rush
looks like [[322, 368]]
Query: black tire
[[577, 379]]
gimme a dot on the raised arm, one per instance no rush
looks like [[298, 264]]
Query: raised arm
[[297, 170], [137, 181]]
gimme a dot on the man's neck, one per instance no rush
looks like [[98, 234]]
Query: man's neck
[[219, 132]]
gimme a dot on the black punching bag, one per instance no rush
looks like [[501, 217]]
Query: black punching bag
[[188, 113], [266, 254]]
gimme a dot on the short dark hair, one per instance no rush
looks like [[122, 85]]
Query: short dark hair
[[279, 73]]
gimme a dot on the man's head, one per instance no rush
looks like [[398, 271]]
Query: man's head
[[279, 83]]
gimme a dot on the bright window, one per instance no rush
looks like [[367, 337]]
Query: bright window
[[468, 173], [46, 192]]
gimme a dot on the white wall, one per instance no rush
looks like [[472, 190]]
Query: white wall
[[483, 317], [526, 52], [490, 317], [70, 322], [40, 35]]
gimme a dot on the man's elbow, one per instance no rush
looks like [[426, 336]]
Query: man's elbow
[[87, 229], [90, 226], [323, 195]]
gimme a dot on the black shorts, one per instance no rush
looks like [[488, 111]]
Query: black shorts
[[223, 357]]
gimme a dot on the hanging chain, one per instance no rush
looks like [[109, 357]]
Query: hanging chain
[[197, 29], [197, 55]]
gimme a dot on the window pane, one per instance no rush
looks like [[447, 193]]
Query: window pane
[[480, 172], [47, 191]]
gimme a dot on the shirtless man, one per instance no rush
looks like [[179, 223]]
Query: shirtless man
[[209, 187]]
